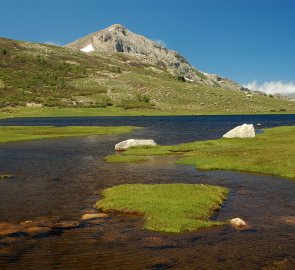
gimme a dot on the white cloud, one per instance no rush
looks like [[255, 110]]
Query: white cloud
[[277, 87]]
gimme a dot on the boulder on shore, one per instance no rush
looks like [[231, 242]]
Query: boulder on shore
[[243, 131], [124, 145], [238, 222]]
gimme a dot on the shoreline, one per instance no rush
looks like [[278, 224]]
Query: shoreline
[[99, 112]]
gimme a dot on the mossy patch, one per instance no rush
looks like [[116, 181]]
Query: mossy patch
[[166, 207], [22, 133]]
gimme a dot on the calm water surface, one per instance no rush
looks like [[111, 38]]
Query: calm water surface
[[60, 179]]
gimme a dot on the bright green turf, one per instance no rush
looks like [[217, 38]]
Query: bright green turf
[[272, 152], [117, 158], [166, 207], [22, 133]]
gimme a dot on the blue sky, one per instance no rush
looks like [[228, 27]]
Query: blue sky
[[245, 40]]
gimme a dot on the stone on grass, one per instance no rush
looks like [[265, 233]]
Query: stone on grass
[[243, 131], [124, 145], [238, 222]]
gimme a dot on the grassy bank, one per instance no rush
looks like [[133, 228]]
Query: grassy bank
[[166, 207], [19, 112], [272, 152], [22, 133], [79, 112]]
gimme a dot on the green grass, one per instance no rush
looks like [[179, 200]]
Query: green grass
[[22, 133], [272, 152], [73, 112], [166, 207], [108, 84], [118, 158], [19, 112]]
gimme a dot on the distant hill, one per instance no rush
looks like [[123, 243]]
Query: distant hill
[[36, 75]]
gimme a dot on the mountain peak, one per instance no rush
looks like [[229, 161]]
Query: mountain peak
[[117, 38], [116, 26]]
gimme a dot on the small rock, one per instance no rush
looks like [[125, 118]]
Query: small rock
[[4, 225], [124, 145], [243, 131], [10, 230], [66, 225], [92, 216], [158, 242], [5, 176], [36, 230], [33, 105], [289, 220], [238, 222]]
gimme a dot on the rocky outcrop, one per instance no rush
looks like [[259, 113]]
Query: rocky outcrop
[[30, 227], [243, 131], [238, 222], [33, 105], [124, 145], [118, 38]]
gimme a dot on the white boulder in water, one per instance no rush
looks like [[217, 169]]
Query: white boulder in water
[[238, 222], [124, 145], [243, 131]]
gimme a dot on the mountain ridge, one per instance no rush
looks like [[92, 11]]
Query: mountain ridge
[[117, 38]]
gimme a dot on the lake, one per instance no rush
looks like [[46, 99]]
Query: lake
[[60, 179]]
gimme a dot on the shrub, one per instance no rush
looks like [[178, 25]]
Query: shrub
[[140, 101]]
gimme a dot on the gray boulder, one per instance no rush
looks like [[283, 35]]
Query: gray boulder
[[124, 145], [243, 131]]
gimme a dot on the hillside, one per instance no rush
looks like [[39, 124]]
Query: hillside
[[37, 75]]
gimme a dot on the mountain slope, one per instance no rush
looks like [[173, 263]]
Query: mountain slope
[[36, 75], [117, 38]]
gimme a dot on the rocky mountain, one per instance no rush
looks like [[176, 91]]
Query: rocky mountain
[[118, 38], [291, 96]]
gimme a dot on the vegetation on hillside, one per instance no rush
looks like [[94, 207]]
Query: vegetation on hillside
[[166, 207], [36, 75], [272, 152]]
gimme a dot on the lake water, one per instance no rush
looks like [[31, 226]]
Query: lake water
[[60, 179]]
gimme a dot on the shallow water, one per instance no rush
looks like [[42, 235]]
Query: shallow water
[[60, 179]]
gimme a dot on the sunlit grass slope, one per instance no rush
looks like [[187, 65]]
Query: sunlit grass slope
[[45, 78]]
